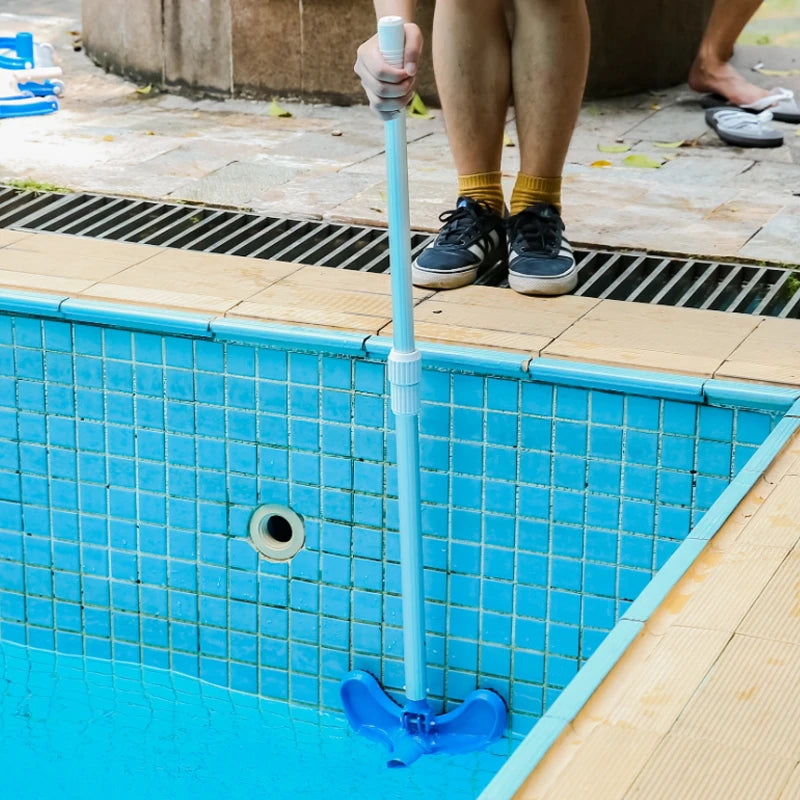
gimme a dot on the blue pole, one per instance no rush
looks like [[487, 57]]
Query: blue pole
[[404, 366]]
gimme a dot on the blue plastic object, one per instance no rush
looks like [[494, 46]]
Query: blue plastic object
[[26, 70], [23, 48], [26, 105], [44, 89], [413, 729]]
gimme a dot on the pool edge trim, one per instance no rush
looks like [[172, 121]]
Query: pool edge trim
[[587, 375]]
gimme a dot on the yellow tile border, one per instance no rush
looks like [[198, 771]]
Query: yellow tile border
[[658, 338]]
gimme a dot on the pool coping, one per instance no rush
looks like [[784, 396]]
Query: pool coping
[[73, 271], [638, 382]]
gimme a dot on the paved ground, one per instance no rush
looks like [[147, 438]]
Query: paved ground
[[705, 198]]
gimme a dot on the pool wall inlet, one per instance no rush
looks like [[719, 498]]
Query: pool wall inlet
[[135, 445]]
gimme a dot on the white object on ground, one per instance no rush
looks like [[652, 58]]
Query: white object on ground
[[11, 78]]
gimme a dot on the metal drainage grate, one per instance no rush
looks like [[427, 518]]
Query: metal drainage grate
[[635, 277]]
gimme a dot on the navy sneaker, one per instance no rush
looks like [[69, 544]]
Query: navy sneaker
[[471, 242], [540, 259]]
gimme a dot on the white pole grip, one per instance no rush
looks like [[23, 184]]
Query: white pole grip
[[392, 40]]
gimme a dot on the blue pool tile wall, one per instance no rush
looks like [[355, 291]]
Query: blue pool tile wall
[[130, 464]]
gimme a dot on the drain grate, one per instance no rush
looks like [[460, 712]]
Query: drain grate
[[634, 277]]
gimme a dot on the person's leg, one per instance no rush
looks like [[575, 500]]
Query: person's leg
[[550, 57], [472, 62], [711, 70]]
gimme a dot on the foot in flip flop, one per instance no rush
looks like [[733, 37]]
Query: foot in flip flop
[[779, 101], [743, 128]]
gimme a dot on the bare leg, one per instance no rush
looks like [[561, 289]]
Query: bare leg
[[550, 58], [711, 70], [472, 61]]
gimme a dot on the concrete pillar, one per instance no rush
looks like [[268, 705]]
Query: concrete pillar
[[306, 48]]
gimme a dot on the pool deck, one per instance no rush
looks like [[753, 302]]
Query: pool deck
[[610, 332], [705, 702], [325, 162]]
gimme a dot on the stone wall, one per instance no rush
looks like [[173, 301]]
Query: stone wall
[[259, 48]]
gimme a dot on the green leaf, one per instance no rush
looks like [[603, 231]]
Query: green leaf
[[779, 73], [144, 89], [600, 164], [416, 108], [613, 148], [641, 161], [276, 111], [666, 145]]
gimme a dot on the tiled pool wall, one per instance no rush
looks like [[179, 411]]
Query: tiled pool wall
[[130, 464]]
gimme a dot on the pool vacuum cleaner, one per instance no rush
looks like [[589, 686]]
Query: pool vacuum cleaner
[[26, 77], [413, 729]]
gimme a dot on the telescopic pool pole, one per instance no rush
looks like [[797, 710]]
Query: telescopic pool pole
[[413, 729]]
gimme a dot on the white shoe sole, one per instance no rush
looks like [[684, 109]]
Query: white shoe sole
[[430, 279], [550, 287]]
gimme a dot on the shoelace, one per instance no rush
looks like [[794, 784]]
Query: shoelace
[[538, 230], [743, 122], [459, 221]]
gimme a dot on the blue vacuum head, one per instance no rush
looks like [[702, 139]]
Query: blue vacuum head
[[413, 730]]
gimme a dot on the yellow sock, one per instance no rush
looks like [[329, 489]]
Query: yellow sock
[[529, 190], [486, 186]]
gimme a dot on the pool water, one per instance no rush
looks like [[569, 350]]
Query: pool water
[[74, 728]]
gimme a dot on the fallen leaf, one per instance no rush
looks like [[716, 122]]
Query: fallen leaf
[[778, 73], [641, 161], [144, 89], [613, 148], [594, 111], [383, 196], [601, 164], [376, 209], [669, 144], [416, 108], [655, 107], [336, 133], [108, 138], [149, 133], [276, 111], [507, 142]]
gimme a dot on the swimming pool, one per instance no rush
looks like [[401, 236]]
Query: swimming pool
[[135, 445]]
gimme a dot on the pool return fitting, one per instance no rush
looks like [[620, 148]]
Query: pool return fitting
[[277, 532], [413, 729]]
